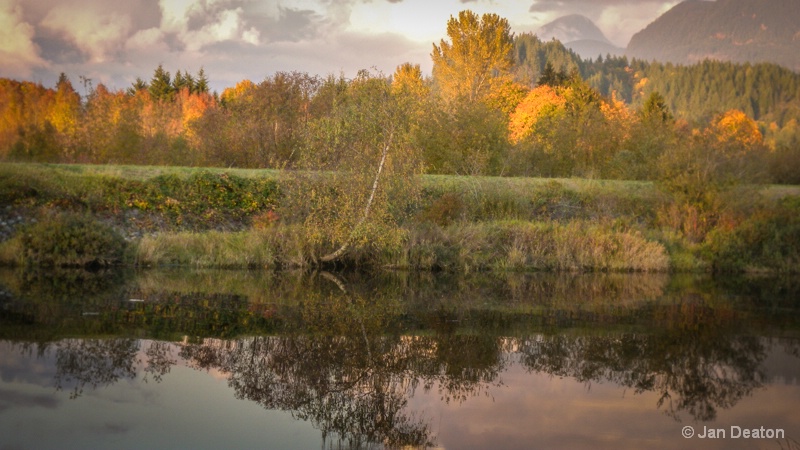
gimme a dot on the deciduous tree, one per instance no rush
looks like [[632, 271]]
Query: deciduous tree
[[480, 49], [359, 172]]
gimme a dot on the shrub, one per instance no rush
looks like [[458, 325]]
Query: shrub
[[71, 240], [768, 241], [444, 210]]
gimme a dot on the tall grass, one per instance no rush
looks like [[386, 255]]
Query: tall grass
[[530, 246], [489, 246]]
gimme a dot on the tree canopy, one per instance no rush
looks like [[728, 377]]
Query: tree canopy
[[479, 49]]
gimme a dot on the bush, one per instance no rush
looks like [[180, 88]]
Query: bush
[[71, 240], [766, 242]]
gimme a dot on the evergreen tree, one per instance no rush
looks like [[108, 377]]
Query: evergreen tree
[[179, 82], [201, 82], [655, 109], [161, 85], [552, 78], [136, 86]]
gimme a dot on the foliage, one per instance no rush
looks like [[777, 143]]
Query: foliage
[[200, 199], [525, 246], [466, 139], [479, 49], [71, 239], [567, 131], [704, 167], [768, 241], [359, 170], [540, 102]]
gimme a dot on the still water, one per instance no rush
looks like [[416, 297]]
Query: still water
[[216, 359]]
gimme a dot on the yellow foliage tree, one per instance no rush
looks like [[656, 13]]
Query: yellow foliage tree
[[480, 49], [242, 88], [736, 132], [506, 94], [617, 113], [407, 80]]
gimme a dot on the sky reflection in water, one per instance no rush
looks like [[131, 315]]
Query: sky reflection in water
[[395, 366]]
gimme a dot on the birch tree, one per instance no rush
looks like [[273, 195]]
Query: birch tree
[[357, 173]]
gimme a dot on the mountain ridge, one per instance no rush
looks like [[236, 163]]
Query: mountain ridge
[[727, 30]]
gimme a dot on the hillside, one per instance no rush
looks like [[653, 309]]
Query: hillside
[[726, 30]]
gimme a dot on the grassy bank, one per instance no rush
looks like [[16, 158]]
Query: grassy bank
[[232, 219]]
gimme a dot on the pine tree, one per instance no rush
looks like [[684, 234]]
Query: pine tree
[[161, 85], [201, 82], [136, 86]]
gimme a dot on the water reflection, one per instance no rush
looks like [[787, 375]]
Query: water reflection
[[349, 354]]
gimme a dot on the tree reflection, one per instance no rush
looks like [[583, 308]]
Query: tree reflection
[[349, 374], [94, 362], [697, 364], [349, 357]]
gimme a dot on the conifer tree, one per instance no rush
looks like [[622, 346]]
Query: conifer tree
[[161, 85]]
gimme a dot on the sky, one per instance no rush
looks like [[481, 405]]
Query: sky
[[113, 42]]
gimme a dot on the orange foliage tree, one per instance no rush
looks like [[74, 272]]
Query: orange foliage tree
[[540, 101]]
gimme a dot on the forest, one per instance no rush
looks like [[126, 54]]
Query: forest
[[496, 104], [534, 109]]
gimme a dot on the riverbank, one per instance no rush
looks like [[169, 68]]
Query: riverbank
[[233, 219]]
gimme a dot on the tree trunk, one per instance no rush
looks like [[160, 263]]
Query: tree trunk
[[346, 245]]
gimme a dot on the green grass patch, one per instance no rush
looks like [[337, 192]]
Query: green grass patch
[[487, 246], [231, 218]]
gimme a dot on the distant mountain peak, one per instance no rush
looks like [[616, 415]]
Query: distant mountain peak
[[579, 34], [574, 27]]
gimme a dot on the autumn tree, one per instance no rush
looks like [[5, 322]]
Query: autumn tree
[[263, 124], [407, 79], [464, 139], [537, 104], [651, 134], [480, 49], [706, 171], [26, 130], [359, 171], [111, 129]]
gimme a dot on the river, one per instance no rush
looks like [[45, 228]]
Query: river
[[248, 359]]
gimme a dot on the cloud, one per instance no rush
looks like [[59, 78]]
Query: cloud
[[197, 24], [115, 42], [619, 19], [96, 34], [18, 53], [10, 399]]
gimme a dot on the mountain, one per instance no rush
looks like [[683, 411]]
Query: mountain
[[726, 30], [579, 34]]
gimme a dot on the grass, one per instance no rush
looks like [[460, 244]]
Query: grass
[[230, 218], [487, 246], [142, 173]]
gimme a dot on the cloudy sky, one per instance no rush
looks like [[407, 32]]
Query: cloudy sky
[[114, 41]]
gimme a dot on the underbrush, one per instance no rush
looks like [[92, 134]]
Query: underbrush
[[199, 199], [489, 246], [767, 241], [213, 218], [65, 240]]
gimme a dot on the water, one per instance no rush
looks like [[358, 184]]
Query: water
[[216, 359]]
